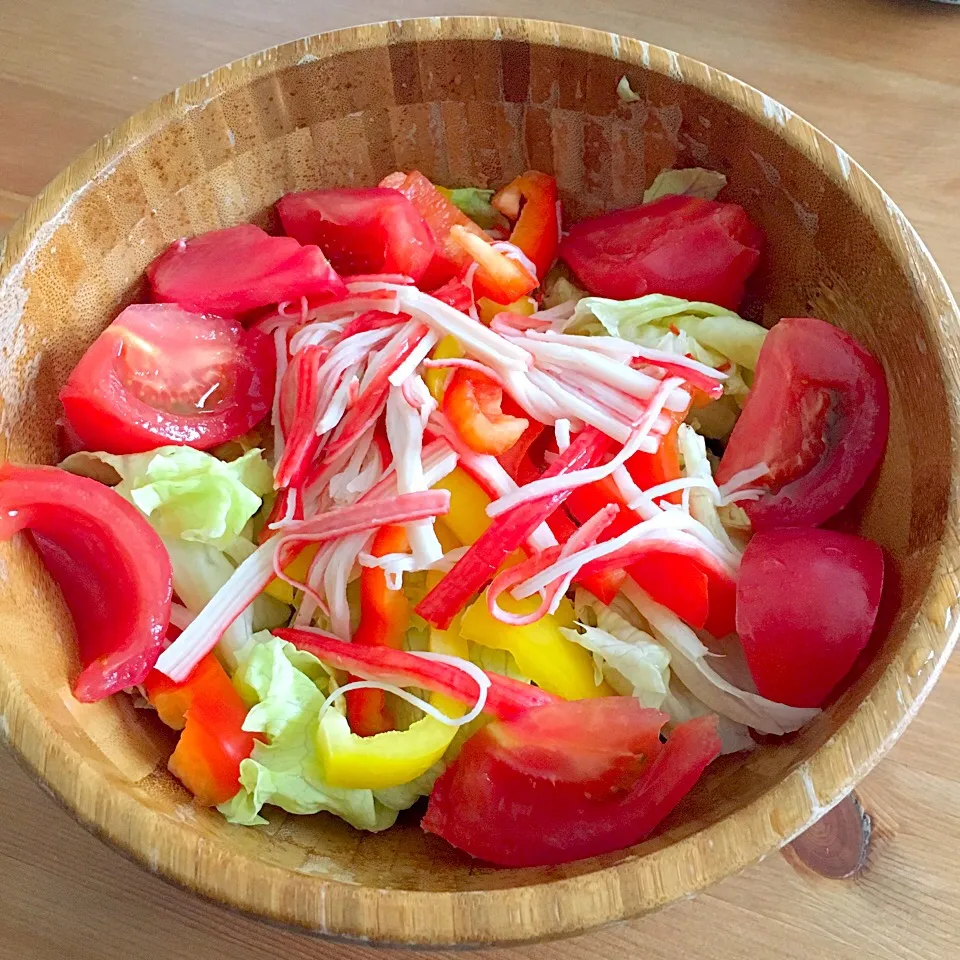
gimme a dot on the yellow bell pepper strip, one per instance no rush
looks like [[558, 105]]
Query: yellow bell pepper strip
[[467, 518], [384, 618], [542, 652], [472, 404], [537, 230], [488, 309], [385, 760], [436, 377], [296, 569], [506, 698]]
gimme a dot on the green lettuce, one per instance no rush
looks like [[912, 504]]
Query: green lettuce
[[720, 335], [285, 689], [689, 182], [475, 203], [186, 493]]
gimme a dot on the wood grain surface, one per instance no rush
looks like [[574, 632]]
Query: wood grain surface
[[877, 77]]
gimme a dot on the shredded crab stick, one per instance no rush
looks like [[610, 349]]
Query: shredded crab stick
[[250, 578], [553, 592], [553, 483], [506, 698], [505, 534]]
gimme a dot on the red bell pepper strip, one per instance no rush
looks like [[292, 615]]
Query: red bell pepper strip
[[499, 278], [537, 230], [506, 698], [110, 564], [384, 618], [472, 571], [471, 403], [587, 784], [517, 458], [210, 711], [650, 469]]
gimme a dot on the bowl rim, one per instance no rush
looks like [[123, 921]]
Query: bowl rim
[[636, 884]]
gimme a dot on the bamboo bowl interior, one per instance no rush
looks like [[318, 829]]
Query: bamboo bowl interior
[[473, 101]]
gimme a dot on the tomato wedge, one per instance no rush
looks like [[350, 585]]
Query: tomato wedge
[[818, 415], [440, 215], [807, 601], [472, 402], [210, 711], [232, 271], [111, 566], [376, 230], [567, 781], [681, 246], [161, 375]]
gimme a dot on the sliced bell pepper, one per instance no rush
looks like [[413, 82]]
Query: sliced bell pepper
[[487, 309], [605, 585], [297, 569], [506, 698], [111, 566], [467, 518], [387, 759], [473, 570], [498, 278], [471, 402], [210, 712], [650, 469], [436, 377], [542, 652], [537, 230], [384, 618], [517, 460]]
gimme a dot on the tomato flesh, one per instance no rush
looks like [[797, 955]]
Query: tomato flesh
[[376, 230], [440, 215], [818, 415], [161, 375], [680, 246], [233, 271], [567, 781], [807, 601]]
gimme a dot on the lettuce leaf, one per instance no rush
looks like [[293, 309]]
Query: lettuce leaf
[[186, 493], [285, 688], [689, 182], [721, 334], [475, 203], [629, 659]]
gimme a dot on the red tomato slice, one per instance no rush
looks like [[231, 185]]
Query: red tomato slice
[[681, 246], [160, 375], [818, 414], [376, 230], [111, 566], [231, 271], [440, 215], [807, 601], [567, 781]]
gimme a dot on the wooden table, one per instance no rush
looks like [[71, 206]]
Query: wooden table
[[880, 77]]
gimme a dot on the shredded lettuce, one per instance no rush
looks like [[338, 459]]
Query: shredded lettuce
[[689, 182], [559, 287], [682, 705], [721, 334], [186, 493], [625, 92], [629, 659], [286, 688]]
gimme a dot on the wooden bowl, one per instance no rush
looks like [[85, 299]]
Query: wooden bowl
[[474, 101]]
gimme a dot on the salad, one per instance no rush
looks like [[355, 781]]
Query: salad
[[434, 495]]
